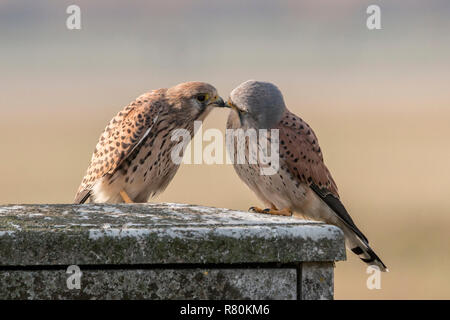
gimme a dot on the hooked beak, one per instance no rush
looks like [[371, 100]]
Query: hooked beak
[[231, 105], [218, 102]]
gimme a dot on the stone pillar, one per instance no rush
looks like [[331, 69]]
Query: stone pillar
[[163, 251]]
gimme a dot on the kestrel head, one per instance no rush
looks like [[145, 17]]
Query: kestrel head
[[194, 98], [259, 104]]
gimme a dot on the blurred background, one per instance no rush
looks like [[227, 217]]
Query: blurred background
[[378, 100]]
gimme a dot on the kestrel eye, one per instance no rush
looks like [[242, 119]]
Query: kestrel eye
[[201, 97]]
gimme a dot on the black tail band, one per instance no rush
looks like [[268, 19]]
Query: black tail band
[[357, 250], [368, 260]]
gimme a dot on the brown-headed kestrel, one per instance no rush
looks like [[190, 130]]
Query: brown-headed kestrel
[[132, 160], [303, 185]]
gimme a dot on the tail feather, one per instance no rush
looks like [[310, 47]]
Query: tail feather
[[364, 251], [82, 196], [355, 239]]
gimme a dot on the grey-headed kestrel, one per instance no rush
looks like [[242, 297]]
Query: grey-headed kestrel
[[303, 185], [132, 160]]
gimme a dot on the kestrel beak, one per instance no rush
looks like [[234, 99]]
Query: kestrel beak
[[231, 105], [218, 102]]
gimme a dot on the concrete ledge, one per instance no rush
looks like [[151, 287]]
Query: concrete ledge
[[158, 234], [152, 247]]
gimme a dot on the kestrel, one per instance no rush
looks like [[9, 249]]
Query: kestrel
[[132, 159], [303, 185]]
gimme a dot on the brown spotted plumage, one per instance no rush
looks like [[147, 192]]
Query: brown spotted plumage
[[132, 159], [300, 151], [302, 185]]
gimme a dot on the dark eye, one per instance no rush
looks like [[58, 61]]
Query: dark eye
[[201, 97]]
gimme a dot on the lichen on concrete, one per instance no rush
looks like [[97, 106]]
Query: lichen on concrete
[[317, 281], [152, 284]]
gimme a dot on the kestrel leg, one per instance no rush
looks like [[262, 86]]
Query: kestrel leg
[[283, 212], [272, 210], [255, 210], [259, 210], [125, 197]]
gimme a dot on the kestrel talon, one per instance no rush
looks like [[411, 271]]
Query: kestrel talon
[[302, 184], [132, 159]]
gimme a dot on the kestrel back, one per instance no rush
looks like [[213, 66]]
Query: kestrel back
[[132, 159]]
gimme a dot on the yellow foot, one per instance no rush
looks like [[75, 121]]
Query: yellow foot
[[125, 197], [284, 212]]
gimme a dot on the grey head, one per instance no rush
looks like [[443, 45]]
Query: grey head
[[259, 104]]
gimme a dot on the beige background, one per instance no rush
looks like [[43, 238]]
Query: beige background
[[379, 102]]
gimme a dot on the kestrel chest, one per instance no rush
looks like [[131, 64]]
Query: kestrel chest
[[150, 168], [280, 188]]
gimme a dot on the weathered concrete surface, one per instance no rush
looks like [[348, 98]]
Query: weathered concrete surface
[[164, 251], [158, 234], [317, 281], [264, 284]]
